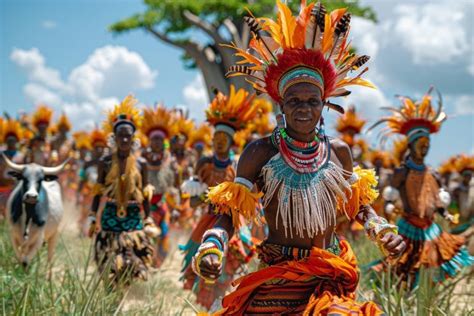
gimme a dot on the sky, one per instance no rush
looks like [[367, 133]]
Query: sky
[[60, 53]]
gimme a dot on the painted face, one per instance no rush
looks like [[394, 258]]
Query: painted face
[[157, 143], [421, 147], [123, 137], [302, 106], [221, 143]]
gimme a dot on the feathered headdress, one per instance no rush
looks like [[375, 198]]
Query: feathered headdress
[[414, 119], [181, 125], [350, 121], [201, 135], [43, 115], [311, 47], [400, 147], [262, 124], [380, 155], [123, 113], [98, 138], [233, 112], [63, 123], [158, 120], [464, 163], [82, 140], [448, 166], [11, 128]]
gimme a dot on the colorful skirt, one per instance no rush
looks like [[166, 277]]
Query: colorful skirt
[[161, 217], [239, 253], [122, 250], [297, 281], [429, 246]]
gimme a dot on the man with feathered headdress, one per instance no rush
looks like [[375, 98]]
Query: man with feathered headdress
[[463, 199], [123, 227], [158, 128], [303, 177], [227, 114], [11, 134], [420, 192], [39, 149]]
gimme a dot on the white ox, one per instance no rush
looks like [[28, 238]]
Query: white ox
[[34, 209]]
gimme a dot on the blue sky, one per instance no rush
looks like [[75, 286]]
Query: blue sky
[[60, 52]]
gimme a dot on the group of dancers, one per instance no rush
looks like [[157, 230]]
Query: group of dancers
[[243, 188]]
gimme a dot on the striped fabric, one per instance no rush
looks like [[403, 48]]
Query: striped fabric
[[323, 283]]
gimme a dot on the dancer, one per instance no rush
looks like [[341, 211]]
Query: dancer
[[227, 114], [39, 149], [420, 192], [463, 200], [305, 178], [158, 128], [11, 133], [121, 245]]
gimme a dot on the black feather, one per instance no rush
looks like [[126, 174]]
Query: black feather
[[253, 24], [318, 12], [360, 61], [343, 25]]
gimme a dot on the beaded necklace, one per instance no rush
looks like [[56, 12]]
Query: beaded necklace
[[221, 164], [414, 166], [301, 157]]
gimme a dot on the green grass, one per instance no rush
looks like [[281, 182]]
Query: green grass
[[76, 288]]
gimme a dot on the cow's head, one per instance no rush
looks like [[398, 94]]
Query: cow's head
[[31, 176]]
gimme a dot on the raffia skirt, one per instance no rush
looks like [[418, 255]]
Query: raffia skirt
[[122, 250], [431, 247]]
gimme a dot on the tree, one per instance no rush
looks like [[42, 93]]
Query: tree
[[176, 22]]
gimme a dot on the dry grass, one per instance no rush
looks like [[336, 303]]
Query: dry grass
[[76, 289]]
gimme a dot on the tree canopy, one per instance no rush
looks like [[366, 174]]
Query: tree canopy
[[176, 22]]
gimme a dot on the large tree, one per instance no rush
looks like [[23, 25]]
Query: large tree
[[178, 23]]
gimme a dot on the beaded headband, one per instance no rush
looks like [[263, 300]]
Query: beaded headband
[[298, 75]]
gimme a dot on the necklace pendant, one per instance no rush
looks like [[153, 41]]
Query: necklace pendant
[[121, 212]]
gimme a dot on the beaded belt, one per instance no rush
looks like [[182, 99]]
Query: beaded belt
[[273, 253]]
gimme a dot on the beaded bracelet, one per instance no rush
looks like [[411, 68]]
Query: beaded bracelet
[[198, 258], [219, 234], [376, 227]]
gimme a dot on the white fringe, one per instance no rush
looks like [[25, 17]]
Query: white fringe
[[311, 196]]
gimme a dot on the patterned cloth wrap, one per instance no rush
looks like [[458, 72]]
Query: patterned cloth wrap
[[113, 223], [300, 281], [122, 246], [429, 246]]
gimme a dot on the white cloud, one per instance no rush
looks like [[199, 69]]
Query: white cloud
[[196, 98], [432, 32], [108, 74], [464, 105], [367, 101], [33, 63], [37, 93], [48, 24]]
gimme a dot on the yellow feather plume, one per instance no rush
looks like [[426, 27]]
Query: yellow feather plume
[[233, 199]]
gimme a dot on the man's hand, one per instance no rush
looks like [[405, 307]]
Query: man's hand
[[210, 267], [393, 244]]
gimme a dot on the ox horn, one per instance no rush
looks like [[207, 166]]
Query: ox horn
[[11, 165], [53, 171]]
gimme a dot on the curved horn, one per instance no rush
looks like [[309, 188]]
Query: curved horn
[[12, 165], [52, 171]]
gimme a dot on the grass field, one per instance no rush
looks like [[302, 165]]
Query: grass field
[[75, 287]]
